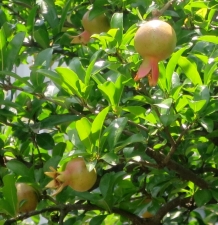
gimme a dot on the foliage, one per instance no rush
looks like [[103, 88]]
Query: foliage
[[157, 143]]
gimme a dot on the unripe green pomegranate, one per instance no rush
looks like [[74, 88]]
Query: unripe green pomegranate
[[155, 40], [95, 26], [27, 198], [76, 175]]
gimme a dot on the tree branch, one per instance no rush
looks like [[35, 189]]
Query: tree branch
[[157, 13], [169, 206], [185, 174]]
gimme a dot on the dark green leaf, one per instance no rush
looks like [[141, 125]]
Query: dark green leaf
[[13, 50], [49, 13], [113, 131], [45, 140], [133, 139], [202, 197], [97, 220], [20, 169], [52, 162], [59, 149], [41, 37], [55, 120], [10, 194], [117, 22], [207, 123], [63, 15]]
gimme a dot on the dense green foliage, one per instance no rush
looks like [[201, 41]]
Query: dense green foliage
[[157, 143]]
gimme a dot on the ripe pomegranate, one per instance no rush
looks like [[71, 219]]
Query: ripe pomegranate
[[155, 40], [27, 198], [76, 175], [95, 26]]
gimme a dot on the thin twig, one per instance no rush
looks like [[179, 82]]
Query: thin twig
[[173, 147], [157, 13]]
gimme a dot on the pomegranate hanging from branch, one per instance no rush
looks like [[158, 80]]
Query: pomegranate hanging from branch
[[96, 25], [155, 40], [76, 175]]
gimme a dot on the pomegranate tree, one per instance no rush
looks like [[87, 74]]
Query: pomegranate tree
[[95, 26], [76, 175], [27, 198], [155, 40]]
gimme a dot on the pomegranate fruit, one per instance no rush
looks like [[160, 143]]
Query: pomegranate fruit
[[27, 198], [76, 175], [95, 26], [147, 214], [155, 40]]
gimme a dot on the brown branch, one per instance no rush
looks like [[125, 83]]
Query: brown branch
[[185, 173], [157, 13], [67, 208], [170, 206], [173, 147]]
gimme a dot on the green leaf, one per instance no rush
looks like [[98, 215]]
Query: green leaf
[[212, 107], [52, 162], [13, 50], [83, 127], [196, 106], [208, 124], [108, 89], [3, 18], [71, 80], [209, 70], [119, 89], [159, 145], [41, 37], [133, 139], [59, 149], [91, 66], [45, 140], [113, 91], [117, 22], [138, 111], [168, 119], [97, 126], [113, 132], [52, 75], [31, 19], [49, 13], [63, 15], [3, 59], [190, 70], [162, 82], [111, 158], [20, 169], [130, 33], [107, 184], [44, 58], [77, 67], [209, 38], [10, 194], [171, 65], [17, 77], [55, 120], [97, 220], [202, 197]]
